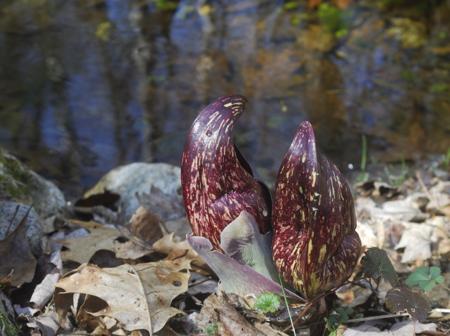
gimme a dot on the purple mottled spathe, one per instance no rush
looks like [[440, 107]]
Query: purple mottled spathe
[[217, 182], [315, 246]]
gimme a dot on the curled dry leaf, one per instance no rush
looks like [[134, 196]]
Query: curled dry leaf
[[44, 291], [145, 225], [177, 249], [144, 229], [138, 296]]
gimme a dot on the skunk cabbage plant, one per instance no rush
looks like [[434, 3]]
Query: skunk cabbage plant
[[315, 246], [217, 182]]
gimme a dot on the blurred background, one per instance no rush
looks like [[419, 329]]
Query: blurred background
[[87, 85]]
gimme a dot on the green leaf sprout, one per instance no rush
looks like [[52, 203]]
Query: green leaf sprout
[[426, 278], [267, 303]]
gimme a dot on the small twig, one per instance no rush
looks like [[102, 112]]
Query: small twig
[[309, 305], [441, 310], [379, 317], [287, 305], [423, 186], [355, 283]]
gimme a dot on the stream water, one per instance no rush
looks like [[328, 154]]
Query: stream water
[[88, 85]]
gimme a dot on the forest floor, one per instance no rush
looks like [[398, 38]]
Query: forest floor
[[96, 271]]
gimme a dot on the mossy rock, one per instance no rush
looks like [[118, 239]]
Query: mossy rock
[[7, 326]]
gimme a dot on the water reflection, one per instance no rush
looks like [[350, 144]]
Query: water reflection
[[88, 85]]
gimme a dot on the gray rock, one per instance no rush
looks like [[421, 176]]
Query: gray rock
[[11, 214], [139, 178], [21, 184]]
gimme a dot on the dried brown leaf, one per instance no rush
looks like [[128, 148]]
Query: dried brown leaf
[[177, 249], [138, 296], [130, 250], [416, 240], [402, 298], [145, 225], [82, 249]]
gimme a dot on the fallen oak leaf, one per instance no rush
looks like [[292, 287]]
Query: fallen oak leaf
[[130, 249], [82, 249], [138, 296]]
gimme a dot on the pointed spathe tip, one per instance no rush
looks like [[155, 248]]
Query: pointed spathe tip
[[233, 102], [235, 98], [306, 130], [304, 143]]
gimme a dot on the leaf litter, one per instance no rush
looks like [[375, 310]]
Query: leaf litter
[[137, 296], [160, 284]]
